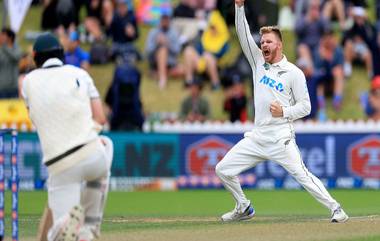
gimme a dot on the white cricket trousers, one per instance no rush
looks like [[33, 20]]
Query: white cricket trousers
[[248, 152], [85, 183]]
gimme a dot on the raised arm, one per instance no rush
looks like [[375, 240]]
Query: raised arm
[[250, 49]]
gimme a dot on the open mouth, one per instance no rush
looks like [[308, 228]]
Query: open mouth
[[266, 52]]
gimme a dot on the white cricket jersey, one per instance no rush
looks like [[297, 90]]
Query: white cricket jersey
[[58, 98], [282, 81]]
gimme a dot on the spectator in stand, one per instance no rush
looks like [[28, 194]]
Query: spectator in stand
[[122, 28], [235, 103], [9, 58], [299, 8], [348, 5], [334, 9], [204, 56], [162, 48], [327, 77], [329, 9], [370, 101], [94, 23], [123, 97], [49, 17], [203, 5], [187, 20], [309, 30], [370, 36], [74, 54], [195, 107], [355, 47], [58, 13], [374, 99]]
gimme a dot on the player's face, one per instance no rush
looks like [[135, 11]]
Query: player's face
[[271, 47], [72, 45]]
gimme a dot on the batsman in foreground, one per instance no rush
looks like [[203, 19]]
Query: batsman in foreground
[[65, 107], [280, 97]]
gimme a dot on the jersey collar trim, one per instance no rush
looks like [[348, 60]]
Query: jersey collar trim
[[282, 63], [52, 62]]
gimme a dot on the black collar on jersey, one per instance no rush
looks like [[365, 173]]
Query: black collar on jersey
[[52, 66]]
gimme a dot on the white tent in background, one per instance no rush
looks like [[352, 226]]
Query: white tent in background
[[286, 18], [17, 10]]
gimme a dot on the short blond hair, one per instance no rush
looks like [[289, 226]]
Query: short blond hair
[[271, 29]]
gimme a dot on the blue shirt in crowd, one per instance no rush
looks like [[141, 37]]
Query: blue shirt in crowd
[[77, 57]]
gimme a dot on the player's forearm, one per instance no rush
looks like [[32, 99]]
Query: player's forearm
[[97, 111], [248, 45], [297, 111]]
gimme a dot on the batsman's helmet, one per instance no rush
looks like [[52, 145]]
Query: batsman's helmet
[[47, 46]]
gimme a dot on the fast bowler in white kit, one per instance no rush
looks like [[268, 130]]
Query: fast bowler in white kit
[[65, 107], [280, 96]]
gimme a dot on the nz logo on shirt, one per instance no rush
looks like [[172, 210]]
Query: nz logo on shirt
[[272, 83]]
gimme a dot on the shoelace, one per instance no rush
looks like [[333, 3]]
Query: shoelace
[[336, 211]]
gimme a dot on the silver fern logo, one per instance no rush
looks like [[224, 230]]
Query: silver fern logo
[[281, 73]]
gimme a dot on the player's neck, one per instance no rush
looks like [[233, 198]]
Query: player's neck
[[277, 59]]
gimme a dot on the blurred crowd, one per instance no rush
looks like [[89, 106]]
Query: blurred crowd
[[331, 37], [189, 41]]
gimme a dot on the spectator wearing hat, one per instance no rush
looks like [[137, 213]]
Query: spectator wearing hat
[[162, 48], [74, 54], [355, 47], [9, 58], [195, 107]]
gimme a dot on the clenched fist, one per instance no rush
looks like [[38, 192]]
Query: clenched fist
[[276, 109], [239, 2]]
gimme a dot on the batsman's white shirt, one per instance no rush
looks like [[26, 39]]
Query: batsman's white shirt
[[282, 81], [272, 138], [58, 98]]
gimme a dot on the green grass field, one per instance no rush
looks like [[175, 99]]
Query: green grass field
[[194, 215]]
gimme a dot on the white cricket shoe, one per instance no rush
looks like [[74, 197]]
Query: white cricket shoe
[[72, 225], [235, 215], [339, 216], [85, 234]]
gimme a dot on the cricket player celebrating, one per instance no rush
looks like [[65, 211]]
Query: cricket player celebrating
[[65, 107], [280, 96]]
